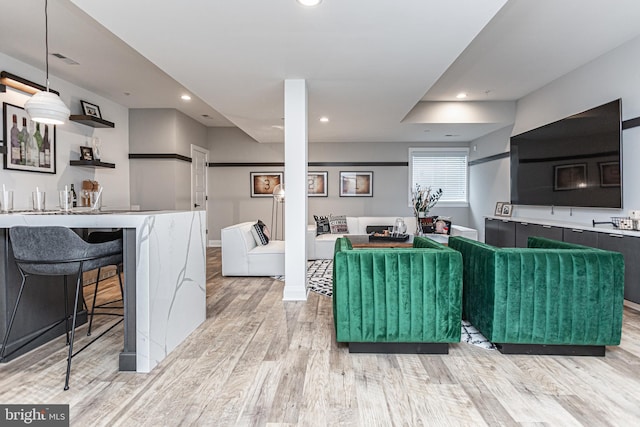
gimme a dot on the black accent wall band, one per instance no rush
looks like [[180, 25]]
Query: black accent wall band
[[489, 158], [631, 123], [311, 164], [160, 156]]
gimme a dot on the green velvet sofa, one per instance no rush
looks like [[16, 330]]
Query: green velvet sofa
[[397, 300], [549, 298]]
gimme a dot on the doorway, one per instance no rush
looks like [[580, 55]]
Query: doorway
[[199, 164]]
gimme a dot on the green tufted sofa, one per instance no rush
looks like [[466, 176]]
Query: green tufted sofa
[[400, 300], [549, 298]]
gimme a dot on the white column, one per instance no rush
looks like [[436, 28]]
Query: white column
[[295, 183]]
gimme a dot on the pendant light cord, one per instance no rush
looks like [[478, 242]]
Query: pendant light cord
[[46, 40]]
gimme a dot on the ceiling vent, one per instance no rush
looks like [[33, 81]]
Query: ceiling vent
[[66, 60]]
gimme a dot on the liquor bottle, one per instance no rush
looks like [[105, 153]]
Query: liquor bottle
[[15, 141], [74, 197], [46, 149]]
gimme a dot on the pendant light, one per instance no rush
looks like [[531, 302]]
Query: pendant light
[[47, 107]]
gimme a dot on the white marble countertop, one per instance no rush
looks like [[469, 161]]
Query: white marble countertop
[[79, 218], [601, 228]]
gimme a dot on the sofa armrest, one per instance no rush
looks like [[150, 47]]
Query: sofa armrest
[[237, 241]]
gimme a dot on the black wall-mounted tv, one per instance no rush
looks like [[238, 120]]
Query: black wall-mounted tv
[[576, 161]]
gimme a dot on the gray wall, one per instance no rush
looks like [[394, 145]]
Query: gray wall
[[158, 184], [612, 76], [229, 187]]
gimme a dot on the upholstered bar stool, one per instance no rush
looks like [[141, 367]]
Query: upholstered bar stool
[[58, 251], [103, 237]]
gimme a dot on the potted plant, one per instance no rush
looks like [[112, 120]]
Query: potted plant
[[423, 199]]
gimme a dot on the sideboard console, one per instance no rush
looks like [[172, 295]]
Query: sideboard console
[[514, 232]]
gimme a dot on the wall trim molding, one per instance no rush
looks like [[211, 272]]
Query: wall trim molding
[[489, 158], [149, 156], [311, 164]]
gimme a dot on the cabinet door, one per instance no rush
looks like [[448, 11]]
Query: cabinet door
[[630, 248], [580, 237], [491, 231], [525, 230]]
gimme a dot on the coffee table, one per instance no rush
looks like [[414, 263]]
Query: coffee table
[[362, 241]]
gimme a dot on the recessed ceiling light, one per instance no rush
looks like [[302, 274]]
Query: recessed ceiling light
[[324, 119], [461, 95], [309, 3], [185, 98]]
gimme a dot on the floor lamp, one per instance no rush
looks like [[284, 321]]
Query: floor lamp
[[278, 200]]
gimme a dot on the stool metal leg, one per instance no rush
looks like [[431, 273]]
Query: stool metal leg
[[66, 308], [73, 326], [93, 306], [13, 316]]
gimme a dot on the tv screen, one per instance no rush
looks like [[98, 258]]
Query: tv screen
[[573, 162]]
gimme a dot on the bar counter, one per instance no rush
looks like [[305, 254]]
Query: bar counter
[[164, 278]]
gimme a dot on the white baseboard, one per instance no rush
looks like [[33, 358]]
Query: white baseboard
[[215, 243]]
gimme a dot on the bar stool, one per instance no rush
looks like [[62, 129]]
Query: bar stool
[[103, 237], [58, 251]]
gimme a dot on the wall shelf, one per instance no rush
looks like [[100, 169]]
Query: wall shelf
[[91, 121], [92, 164]]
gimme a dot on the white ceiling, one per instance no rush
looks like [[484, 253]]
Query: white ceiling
[[367, 64]]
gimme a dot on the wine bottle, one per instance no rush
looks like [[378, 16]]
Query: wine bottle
[[24, 137], [35, 147], [15, 141], [74, 197], [46, 148]]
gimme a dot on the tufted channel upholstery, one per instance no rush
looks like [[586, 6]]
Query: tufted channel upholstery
[[399, 295], [551, 293]]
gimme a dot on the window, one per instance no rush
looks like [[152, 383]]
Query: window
[[444, 168]]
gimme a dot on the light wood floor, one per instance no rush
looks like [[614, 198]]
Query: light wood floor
[[260, 361]]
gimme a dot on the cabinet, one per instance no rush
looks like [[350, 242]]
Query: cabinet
[[525, 230], [580, 237], [629, 247], [499, 232]]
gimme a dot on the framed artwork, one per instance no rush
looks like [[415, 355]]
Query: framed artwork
[[506, 209], [356, 184], [609, 174], [317, 184], [86, 153], [498, 211], [30, 146], [90, 109], [570, 177], [263, 183]]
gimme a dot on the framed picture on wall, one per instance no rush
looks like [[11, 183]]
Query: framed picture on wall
[[356, 184], [90, 109], [263, 183], [317, 184], [30, 146]]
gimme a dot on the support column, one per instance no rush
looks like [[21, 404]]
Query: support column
[[295, 178]]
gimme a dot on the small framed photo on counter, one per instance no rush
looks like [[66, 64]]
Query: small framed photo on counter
[[90, 109], [498, 211]]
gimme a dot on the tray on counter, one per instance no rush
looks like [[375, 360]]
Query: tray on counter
[[390, 238]]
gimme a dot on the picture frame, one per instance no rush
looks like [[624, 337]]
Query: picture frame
[[86, 153], [498, 210], [507, 209], [609, 174], [263, 183], [317, 184], [570, 177], [90, 109], [16, 158], [356, 184]]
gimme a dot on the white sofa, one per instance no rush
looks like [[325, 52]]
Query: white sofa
[[241, 256], [322, 246]]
